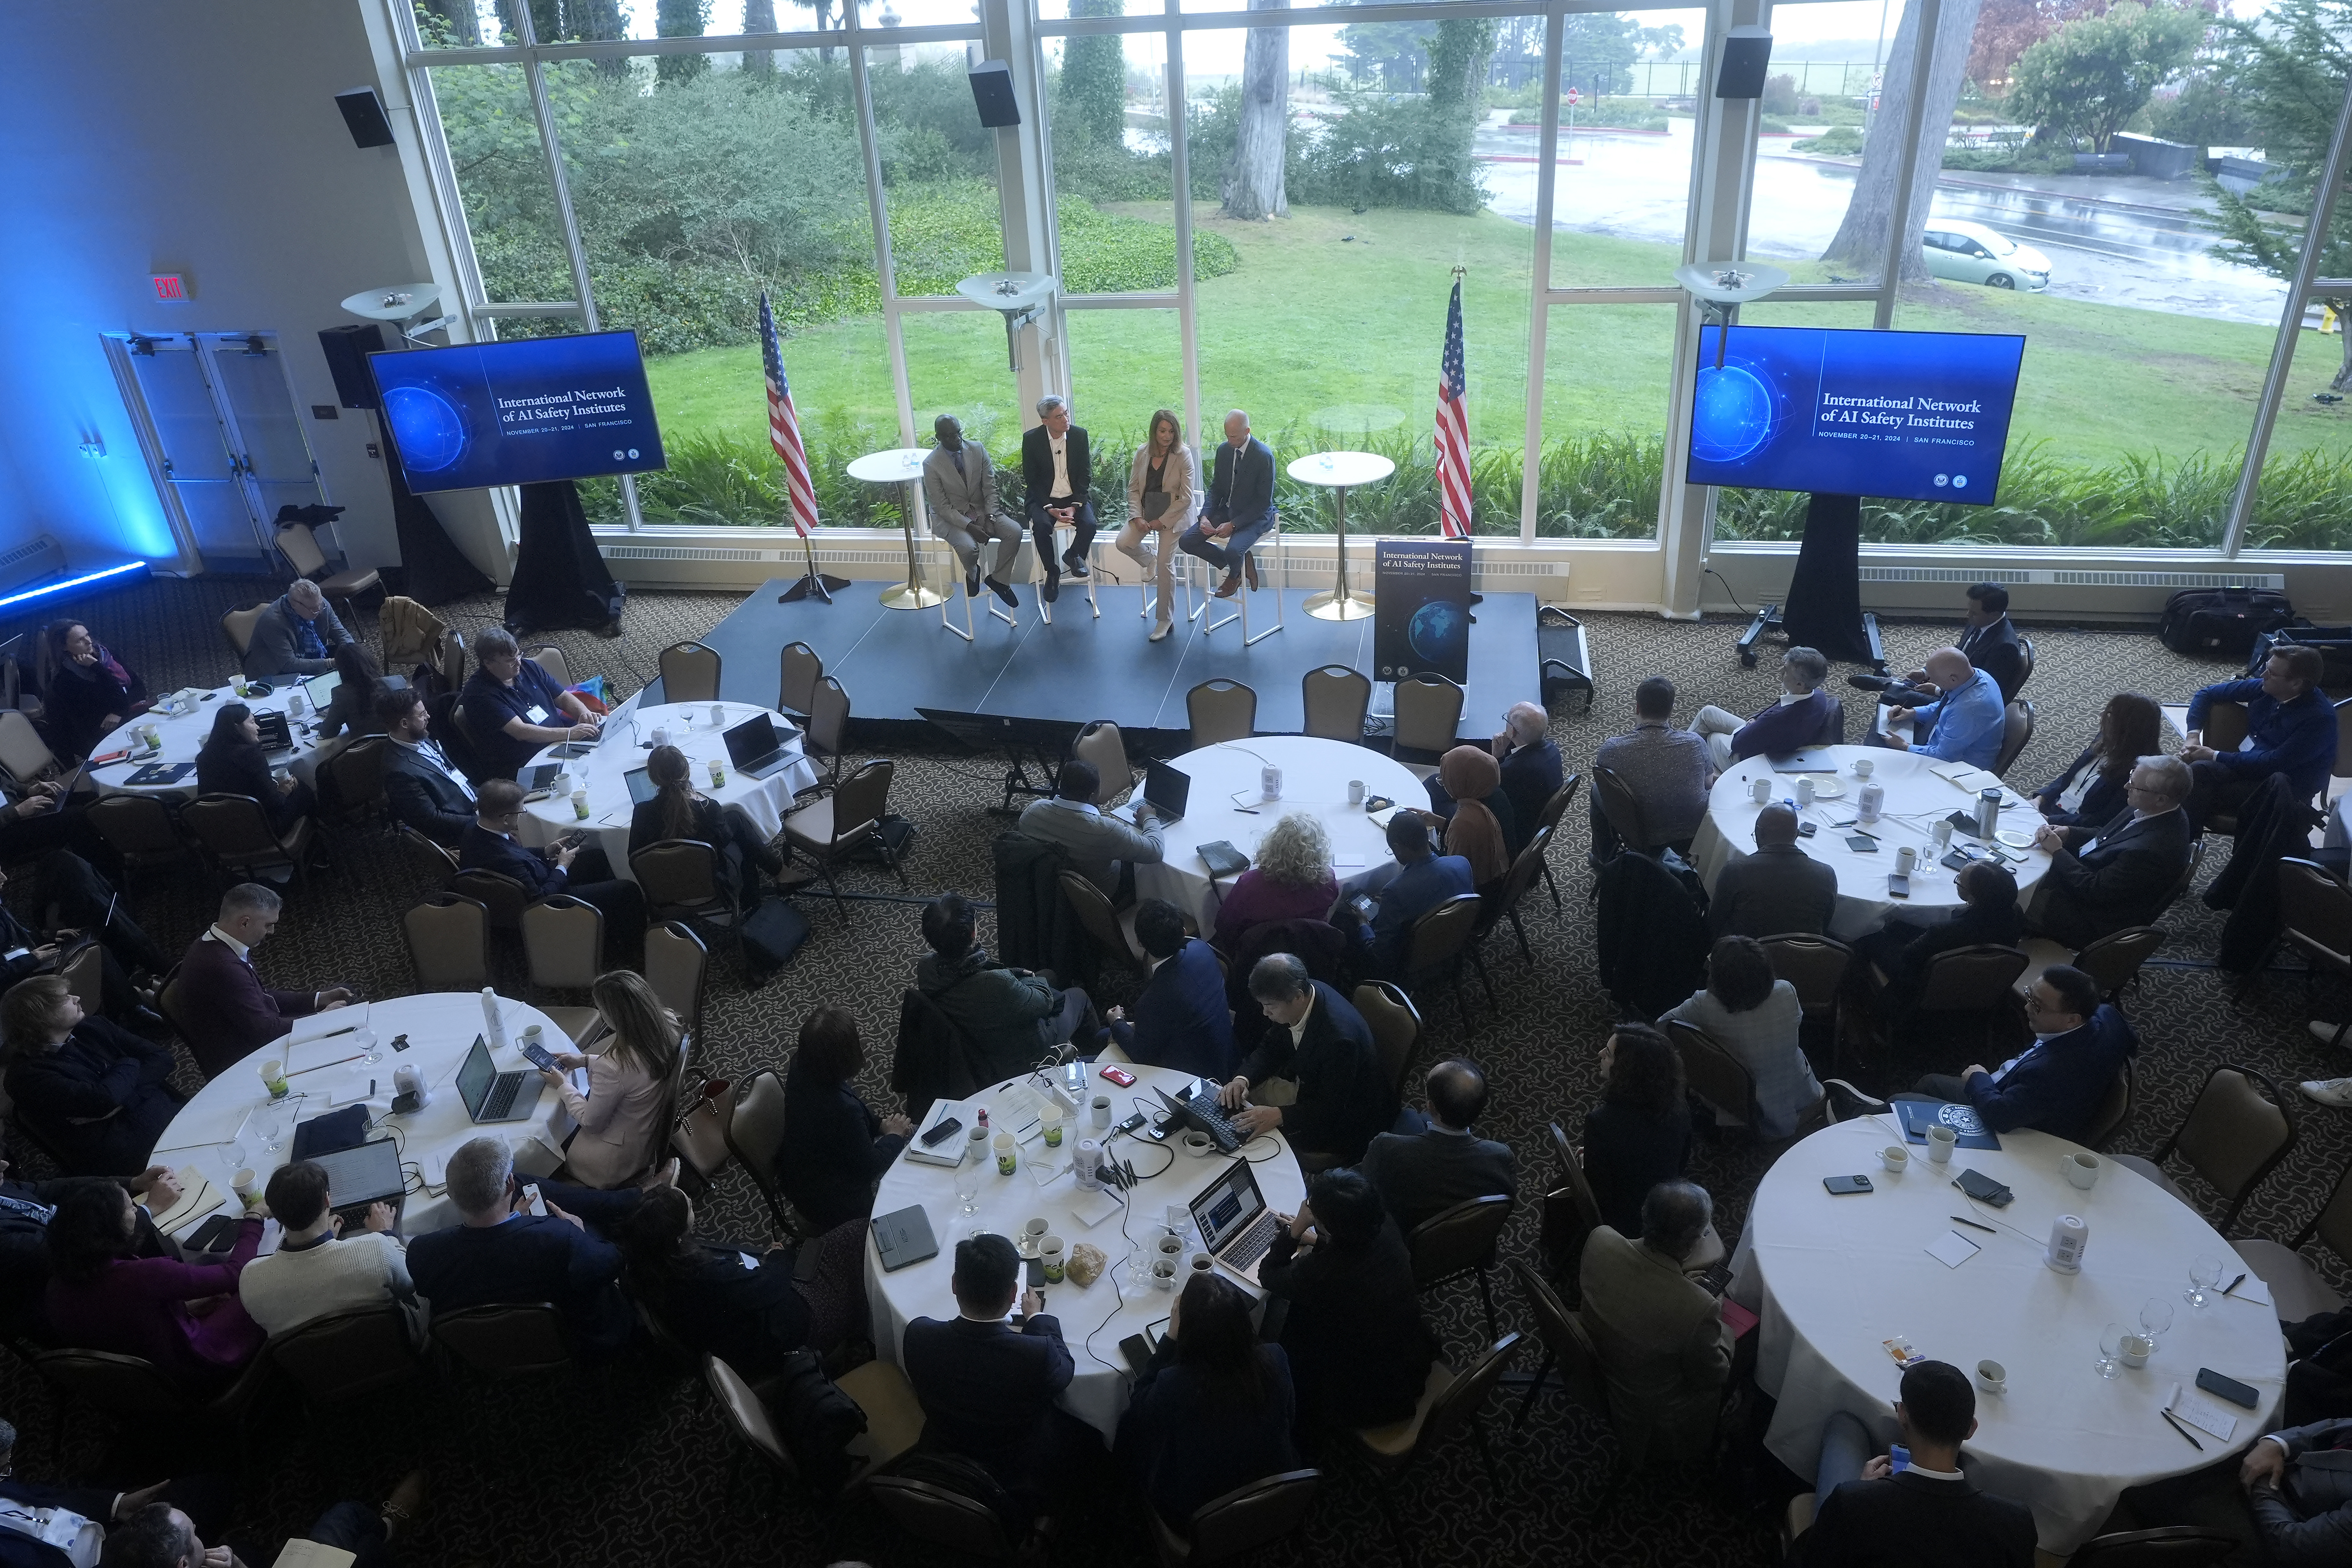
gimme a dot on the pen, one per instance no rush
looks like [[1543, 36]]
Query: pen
[[2174, 1422], [1973, 1224], [2233, 1284], [298, 1072]]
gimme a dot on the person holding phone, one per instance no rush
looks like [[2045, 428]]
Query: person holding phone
[[1212, 1410], [1870, 1510], [564, 866], [621, 1116], [182, 1317], [749, 1309]]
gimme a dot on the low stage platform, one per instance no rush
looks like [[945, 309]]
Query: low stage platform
[[894, 662]]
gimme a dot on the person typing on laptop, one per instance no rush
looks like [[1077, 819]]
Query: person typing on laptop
[[1322, 1042], [678, 810], [1105, 849], [503, 1254], [317, 1270], [513, 708]]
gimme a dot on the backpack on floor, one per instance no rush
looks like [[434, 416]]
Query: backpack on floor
[[2222, 622], [773, 932]]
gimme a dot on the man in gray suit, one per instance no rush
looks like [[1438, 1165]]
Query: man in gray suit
[[959, 493], [1421, 1175], [2299, 1485], [1103, 848], [1777, 889], [1660, 1334], [2104, 878], [297, 635]]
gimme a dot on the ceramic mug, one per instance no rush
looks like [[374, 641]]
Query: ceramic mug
[[1203, 1263], [1761, 791], [1895, 1158], [1033, 1232], [1907, 860], [1941, 1141], [1102, 1111], [2081, 1169], [1169, 1246], [1196, 1144], [1804, 792], [1992, 1377], [1163, 1274], [2136, 1348], [1863, 766], [1355, 791]]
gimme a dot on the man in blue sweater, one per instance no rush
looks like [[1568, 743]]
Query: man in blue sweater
[[1182, 1020], [1801, 718], [1965, 724], [2058, 1084], [1424, 879], [2289, 730]]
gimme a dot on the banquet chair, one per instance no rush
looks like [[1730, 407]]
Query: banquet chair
[[682, 879], [2025, 663], [238, 624], [2296, 1289], [139, 830], [501, 894], [563, 946], [1549, 818], [2316, 920], [448, 942], [1220, 711], [1335, 698], [1460, 1241], [1440, 940], [505, 1339], [1265, 1510], [23, 755], [550, 658], [452, 658], [753, 1136], [894, 1420], [799, 671], [1622, 808], [1570, 1214], [2227, 725], [690, 673], [676, 965], [2171, 1546], [1817, 966], [2016, 735], [2114, 1110], [1714, 1075], [1101, 744], [346, 1355], [1566, 1347], [2233, 1137], [1112, 931], [301, 548], [432, 861], [829, 830], [2113, 962], [964, 1524], [1504, 905], [1428, 718], [1450, 1401], [828, 719], [235, 834], [137, 1392], [356, 776], [2188, 875], [1395, 1024], [1960, 980]]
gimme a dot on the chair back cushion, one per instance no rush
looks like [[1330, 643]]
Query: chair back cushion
[[2113, 1112], [1252, 1516], [1442, 934], [690, 673], [1970, 979], [1220, 711], [2114, 958], [1395, 1025], [859, 805], [1621, 805], [1457, 1239], [675, 961], [1101, 744], [121, 1386], [1428, 713], [745, 1412], [758, 1127], [678, 873], [23, 755], [563, 941], [448, 942], [1814, 965], [496, 891], [1095, 913], [134, 826], [828, 715], [1461, 1400], [1571, 1350], [506, 1340], [1335, 698], [347, 1354], [230, 826], [796, 683], [238, 624], [1714, 1075], [2233, 1134]]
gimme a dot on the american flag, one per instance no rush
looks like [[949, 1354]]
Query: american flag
[[784, 426], [1453, 429]]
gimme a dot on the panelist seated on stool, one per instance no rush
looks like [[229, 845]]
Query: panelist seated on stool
[[1057, 475], [1241, 506], [960, 495]]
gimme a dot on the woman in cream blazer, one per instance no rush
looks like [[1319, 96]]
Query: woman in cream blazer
[[620, 1115], [1162, 471]]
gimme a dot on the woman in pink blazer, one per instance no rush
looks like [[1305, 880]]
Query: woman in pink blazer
[[621, 1114]]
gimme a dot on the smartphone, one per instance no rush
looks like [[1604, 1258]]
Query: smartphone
[[537, 1054], [1807, 829], [530, 1201], [1958, 860], [943, 1131], [2229, 1388], [1844, 1185], [213, 1234], [2195, 738], [1119, 1076], [1862, 844], [1899, 885], [1036, 1274], [1138, 1353]]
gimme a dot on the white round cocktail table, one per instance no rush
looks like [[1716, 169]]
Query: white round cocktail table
[[1339, 472], [902, 466]]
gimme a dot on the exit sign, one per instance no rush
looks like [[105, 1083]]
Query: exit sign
[[171, 287]]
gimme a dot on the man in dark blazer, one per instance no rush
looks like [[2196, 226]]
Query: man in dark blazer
[[1345, 1100], [502, 1255], [1056, 478], [1528, 759], [2104, 878], [422, 787], [1989, 641], [96, 1506], [1422, 1175], [1240, 508], [1929, 1516], [581, 871], [1180, 1020], [223, 1010], [987, 1389], [1777, 889], [1424, 881], [2057, 1085], [2299, 1486]]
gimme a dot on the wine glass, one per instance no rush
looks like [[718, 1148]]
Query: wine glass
[[967, 1189], [2155, 1318], [2204, 1273], [2111, 1349], [271, 1126]]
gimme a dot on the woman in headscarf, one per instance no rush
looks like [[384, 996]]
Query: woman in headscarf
[[1480, 828]]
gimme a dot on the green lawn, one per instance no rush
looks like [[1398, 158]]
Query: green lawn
[[1333, 321]]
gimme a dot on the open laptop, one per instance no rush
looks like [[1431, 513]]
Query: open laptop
[[276, 737], [321, 689], [1166, 790], [1236, 1225], [620, 721], [755, 748], [358, 1177], [494, 1096], [642, 787]]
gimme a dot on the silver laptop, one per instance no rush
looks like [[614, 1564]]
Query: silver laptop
[[321, 689], [494, 1096], [620, 721], [1236, 1225]]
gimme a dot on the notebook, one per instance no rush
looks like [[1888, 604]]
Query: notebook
[[155, 774], [904, 1236], [1919, 1115], [198, 1197]]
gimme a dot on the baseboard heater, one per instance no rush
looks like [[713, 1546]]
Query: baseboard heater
[[2074, 577]]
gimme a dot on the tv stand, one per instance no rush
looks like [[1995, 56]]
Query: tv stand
[[1824, 608], [1768, 619]]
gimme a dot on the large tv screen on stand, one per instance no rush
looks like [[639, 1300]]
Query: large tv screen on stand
[[1901, 415], [516, 413]]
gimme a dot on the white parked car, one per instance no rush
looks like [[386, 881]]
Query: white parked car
[[1968, 252]]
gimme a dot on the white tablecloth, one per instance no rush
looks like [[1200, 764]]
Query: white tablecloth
[[1832, 1278], [1315, 776], [183, 737], [1094, 1319], [1916, 799], [607, 768], [221, 1127]]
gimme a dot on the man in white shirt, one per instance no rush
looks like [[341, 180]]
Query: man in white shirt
[[1056, 480], [317, 1271], [421, 786]]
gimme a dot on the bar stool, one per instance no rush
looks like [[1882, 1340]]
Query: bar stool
[[1093, 570], [965, 631], [1208, 602]]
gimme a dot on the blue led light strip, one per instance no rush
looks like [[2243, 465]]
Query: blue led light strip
[[72, 582]]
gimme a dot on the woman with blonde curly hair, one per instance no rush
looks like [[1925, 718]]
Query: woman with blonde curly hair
[[1292, 880]]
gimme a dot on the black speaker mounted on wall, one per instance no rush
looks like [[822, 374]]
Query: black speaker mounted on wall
[[364, 112], [347, 349], [991, 94], [1746, 55]]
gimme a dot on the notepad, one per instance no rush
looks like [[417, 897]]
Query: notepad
[[1090, 1209], [1952, 1249], [2201, 1413], [198, 1197], [312, 1555]]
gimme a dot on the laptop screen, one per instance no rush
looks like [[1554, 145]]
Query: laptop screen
[[538, 776], [275, 735], [1167, 789], [1229, 1207], [321, 689], [363, 1174], [752, 741], [642, 787], [474, 1079]]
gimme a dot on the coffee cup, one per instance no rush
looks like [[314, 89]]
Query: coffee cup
[[1163, 1274], [717, 713], [1941, 1141], [2082, 1168], [1355, 791], [1941, 834], [1804, 792], [1992, 1377], [2136, 1348], [1195, 1144], [1053, 1252], [561, 787], [1863, 766], [1169, 1246], [273, 1077], [1049, 1122], [1895, 1158], [1907, 860], [242, 1183], [1032, 1231], [1101, 1109], [1761, 791], [1203, 1263]]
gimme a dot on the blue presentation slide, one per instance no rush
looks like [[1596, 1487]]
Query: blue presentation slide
[[515, 413], [1901, 415]]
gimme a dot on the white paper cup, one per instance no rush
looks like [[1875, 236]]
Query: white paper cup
[[2081, 1169], [1895, 1158], [241, 1183], [1054, 1253]]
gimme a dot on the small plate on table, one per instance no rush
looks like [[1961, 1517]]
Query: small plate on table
[[1828, 789], [2014, 839]]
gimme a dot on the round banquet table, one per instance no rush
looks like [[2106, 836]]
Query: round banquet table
[[1314, 775], [1831, 1278], [1095, 1319], [225, 1120], [1916, 799], [606, 770], [183, 737]]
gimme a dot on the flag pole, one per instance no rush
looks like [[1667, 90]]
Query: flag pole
[[816, 584]]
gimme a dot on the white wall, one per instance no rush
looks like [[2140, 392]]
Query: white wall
[[202, 137]]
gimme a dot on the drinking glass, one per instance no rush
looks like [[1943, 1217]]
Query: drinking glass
[[2111, 1349], [271, 1125], [967, 1189], [2155, 1317], [2204, 1273]]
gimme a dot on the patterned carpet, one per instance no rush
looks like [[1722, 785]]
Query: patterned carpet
[[628, 1467]]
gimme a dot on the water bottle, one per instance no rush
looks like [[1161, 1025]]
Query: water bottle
[[1988, 812], [492, 1024]]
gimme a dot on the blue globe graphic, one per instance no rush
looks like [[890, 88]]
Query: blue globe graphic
[[429, 429], [1732, 416], [1438, 631]]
